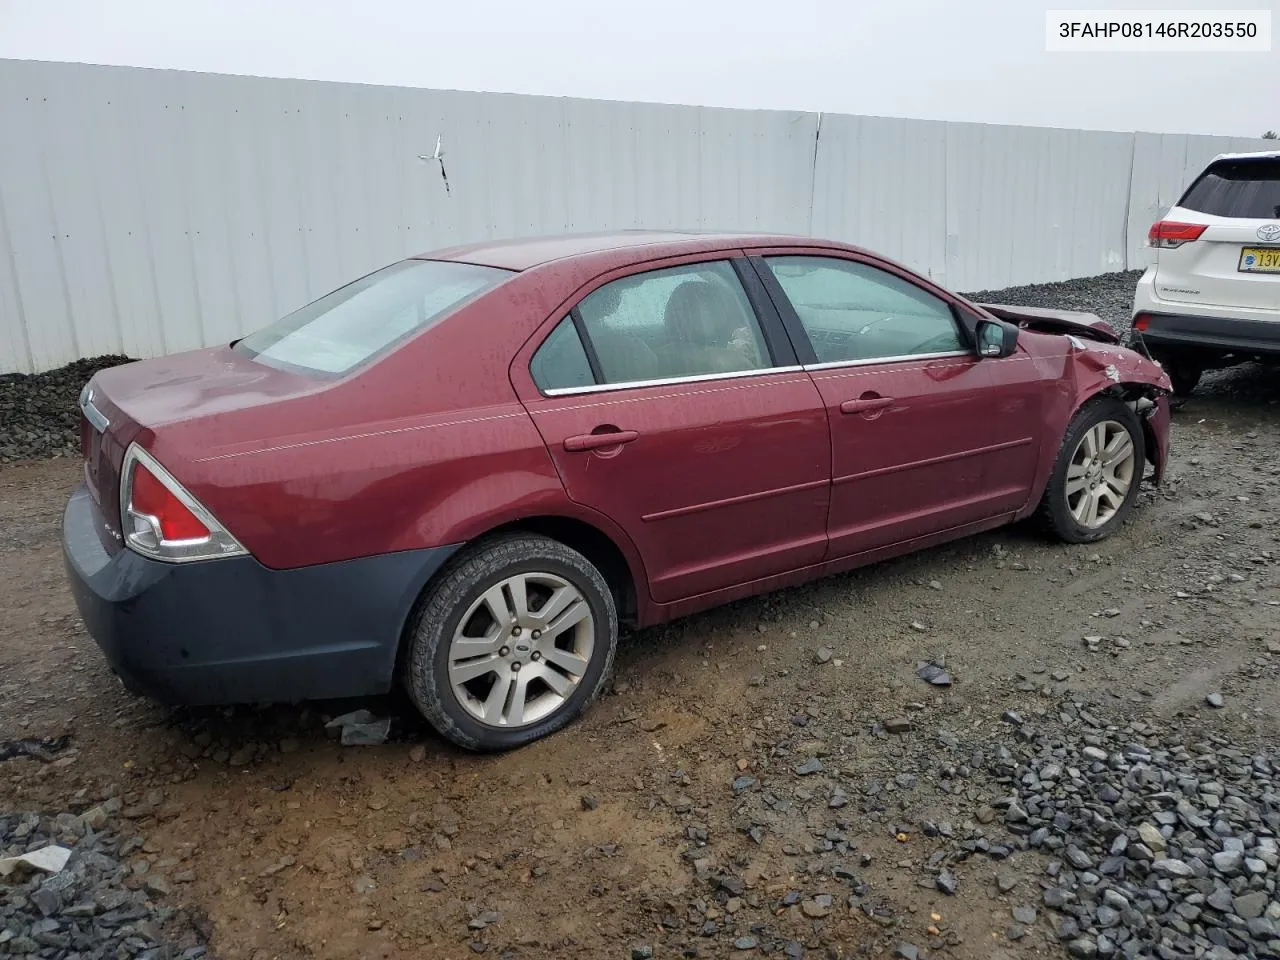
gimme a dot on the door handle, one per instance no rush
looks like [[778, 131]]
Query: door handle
[[595, 441], [865, 404]]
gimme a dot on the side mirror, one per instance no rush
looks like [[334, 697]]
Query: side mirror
[[996, 338]]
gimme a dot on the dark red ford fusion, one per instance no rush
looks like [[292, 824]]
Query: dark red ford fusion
[[465, 470]]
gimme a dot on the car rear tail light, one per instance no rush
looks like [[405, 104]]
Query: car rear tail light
[[162, 520], [1169, 233], [1141, 322]]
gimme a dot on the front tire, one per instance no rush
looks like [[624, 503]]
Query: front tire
[[512, 643], [1096, 477]]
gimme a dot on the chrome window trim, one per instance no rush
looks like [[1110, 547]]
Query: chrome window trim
[[836, 364], [666, 381]]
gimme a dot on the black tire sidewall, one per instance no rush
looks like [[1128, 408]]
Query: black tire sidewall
[[427, 666], [1059, 514]]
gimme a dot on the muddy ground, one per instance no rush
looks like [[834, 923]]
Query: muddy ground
[[625, 835]]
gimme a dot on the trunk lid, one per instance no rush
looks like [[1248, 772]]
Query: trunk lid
[[130, 402]]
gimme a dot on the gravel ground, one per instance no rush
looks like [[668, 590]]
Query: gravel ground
[[999, 749]]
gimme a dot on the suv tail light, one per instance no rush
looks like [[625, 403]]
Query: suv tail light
[[162, 520], [1169, 233], [1141, 322]]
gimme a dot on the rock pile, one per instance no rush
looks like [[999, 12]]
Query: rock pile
[[1158, 847], [97, 906], [40, 413]]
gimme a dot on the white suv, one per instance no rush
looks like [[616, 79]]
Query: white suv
[[1211, 295]]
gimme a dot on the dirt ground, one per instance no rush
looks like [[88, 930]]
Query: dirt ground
[[607, 840]]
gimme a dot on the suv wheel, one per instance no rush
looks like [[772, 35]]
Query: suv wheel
[[1096, 477], [1183, 372], [512, 643]]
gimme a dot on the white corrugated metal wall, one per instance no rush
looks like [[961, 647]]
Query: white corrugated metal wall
[[150, 211]]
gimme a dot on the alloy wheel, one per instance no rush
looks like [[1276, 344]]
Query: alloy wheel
[[1101, 472], [521, 649]]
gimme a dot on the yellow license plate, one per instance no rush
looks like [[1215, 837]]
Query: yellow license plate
[[1260, 260]]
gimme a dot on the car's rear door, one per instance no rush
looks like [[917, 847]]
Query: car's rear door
[[910, 405], [671, 401], [1220, 246]]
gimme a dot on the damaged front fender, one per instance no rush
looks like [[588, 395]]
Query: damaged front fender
[[1097, 369]]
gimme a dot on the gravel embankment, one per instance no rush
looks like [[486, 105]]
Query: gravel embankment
[[1110, 296], [39, 413], [100, 906]]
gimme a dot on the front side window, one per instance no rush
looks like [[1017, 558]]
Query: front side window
[[682, 321], [357, 322], [852, 311], [1248, 188]]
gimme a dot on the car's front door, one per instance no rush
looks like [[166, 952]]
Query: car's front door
[[908, 400], [669, 406]]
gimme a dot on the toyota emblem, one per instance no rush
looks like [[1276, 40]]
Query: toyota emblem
[[1269, 232]]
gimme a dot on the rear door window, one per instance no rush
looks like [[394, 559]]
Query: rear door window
[[1248, 188], [356, 323]]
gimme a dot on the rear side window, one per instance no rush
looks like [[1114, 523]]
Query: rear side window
[[1237, 188], [358, 322], [561, 362]]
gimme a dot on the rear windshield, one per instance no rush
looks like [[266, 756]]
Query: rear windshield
[[1237, 188], [357, 322]]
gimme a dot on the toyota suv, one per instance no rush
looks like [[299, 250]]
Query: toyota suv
[[1211, 294]]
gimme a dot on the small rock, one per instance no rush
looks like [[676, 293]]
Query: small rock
[[1173, 868], [1151, 836], [1251, 905], [933, 674], [1006, 881], [810, 766], [642, 952], [589, 802], [897, 725], [906, 951], [418, 754], [1215, 700], [946, 882], [824, 655], [746, 943], [1025, 915]]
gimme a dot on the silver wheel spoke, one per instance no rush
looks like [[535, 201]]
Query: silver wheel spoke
[[515, 715], [571, 617], [1091, 510], [468, 670], [495, 703], [556, 605], [496, 600], [1090, 442], [1118, 450], [519, 587], [1113, 498], [557, 681], [573, 664], [1076, 484]]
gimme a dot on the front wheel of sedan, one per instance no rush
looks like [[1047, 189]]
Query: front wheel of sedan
[[1096, 477], [512, 643]]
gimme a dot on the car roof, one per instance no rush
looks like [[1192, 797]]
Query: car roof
[[528, 252], [1256, 155]]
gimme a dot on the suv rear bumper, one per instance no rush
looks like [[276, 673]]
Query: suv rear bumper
[[233, 631], [1218, 335]]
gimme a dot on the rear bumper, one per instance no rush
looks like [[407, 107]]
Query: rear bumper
[[1213, 334], [233, 631]]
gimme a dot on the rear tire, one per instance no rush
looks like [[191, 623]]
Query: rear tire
[[511, 643], [1096, 477]]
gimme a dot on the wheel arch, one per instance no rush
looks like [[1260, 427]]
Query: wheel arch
[[1133, 393], [619, 563]]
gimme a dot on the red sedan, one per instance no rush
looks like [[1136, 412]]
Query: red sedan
[[465, 470]]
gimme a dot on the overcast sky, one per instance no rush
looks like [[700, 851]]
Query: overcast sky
[[980, 60]]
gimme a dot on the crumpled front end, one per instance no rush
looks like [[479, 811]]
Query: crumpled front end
[[1096, 368]]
